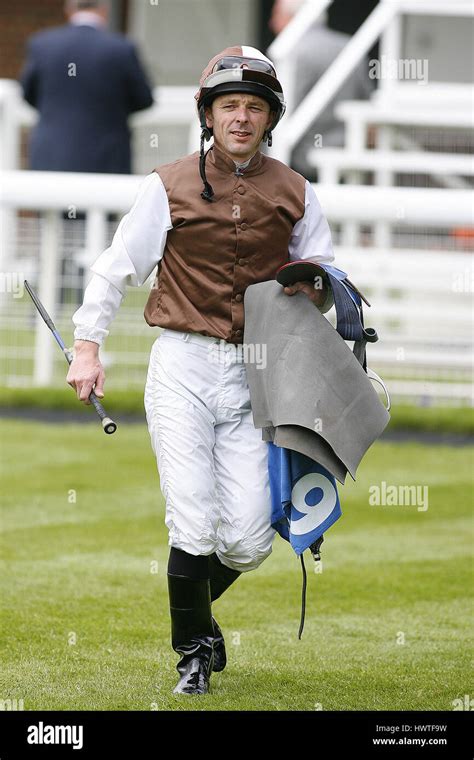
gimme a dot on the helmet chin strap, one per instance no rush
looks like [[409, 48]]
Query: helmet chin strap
[[208, 192], [206, 134]]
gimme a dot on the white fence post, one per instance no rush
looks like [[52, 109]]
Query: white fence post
[[391, 49], [9, 157], [9, 124], [96, 234], [47, 287]]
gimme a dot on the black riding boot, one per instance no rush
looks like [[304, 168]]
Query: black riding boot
[[192, 632], [221, 577]]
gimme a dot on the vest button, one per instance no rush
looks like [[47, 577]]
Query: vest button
[[241, 189], [241, 262], [239, 297], [243, 226], [238, 332]]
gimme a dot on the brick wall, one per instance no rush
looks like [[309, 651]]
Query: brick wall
[[17, 21]]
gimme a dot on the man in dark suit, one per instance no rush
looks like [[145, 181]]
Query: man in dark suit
[[84, 81]]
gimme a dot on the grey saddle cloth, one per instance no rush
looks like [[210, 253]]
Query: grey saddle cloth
[[313, 396]]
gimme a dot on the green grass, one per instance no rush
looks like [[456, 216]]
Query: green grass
[[86, 623], [403, 416]]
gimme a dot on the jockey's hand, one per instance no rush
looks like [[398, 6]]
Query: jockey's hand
[[316, 295]]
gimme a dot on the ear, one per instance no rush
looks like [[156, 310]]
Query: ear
[[271, 116], [209, 118]]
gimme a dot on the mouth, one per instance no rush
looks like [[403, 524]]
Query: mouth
[[241, 135]]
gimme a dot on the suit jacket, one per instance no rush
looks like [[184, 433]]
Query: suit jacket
[[84, 81], [312, 395]]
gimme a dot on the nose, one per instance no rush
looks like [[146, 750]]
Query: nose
[[242, 114]]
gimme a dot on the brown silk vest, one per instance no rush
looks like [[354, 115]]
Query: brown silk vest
[[215, 250]]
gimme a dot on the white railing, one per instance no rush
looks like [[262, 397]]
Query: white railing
[[115, 192], [333, 162], [48, 190], [421, 299], [422, 310]]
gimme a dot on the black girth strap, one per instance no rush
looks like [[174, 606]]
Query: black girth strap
[[315, 551], [303, 597]]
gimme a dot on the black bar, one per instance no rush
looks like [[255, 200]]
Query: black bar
[[191, 730]]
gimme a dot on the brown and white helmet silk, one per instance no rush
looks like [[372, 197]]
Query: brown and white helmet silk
[[240, 68]]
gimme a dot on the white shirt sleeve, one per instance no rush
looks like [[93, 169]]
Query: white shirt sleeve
[[136, 249], [311, 238]]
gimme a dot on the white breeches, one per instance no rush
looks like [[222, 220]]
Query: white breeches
[[212, 462]]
